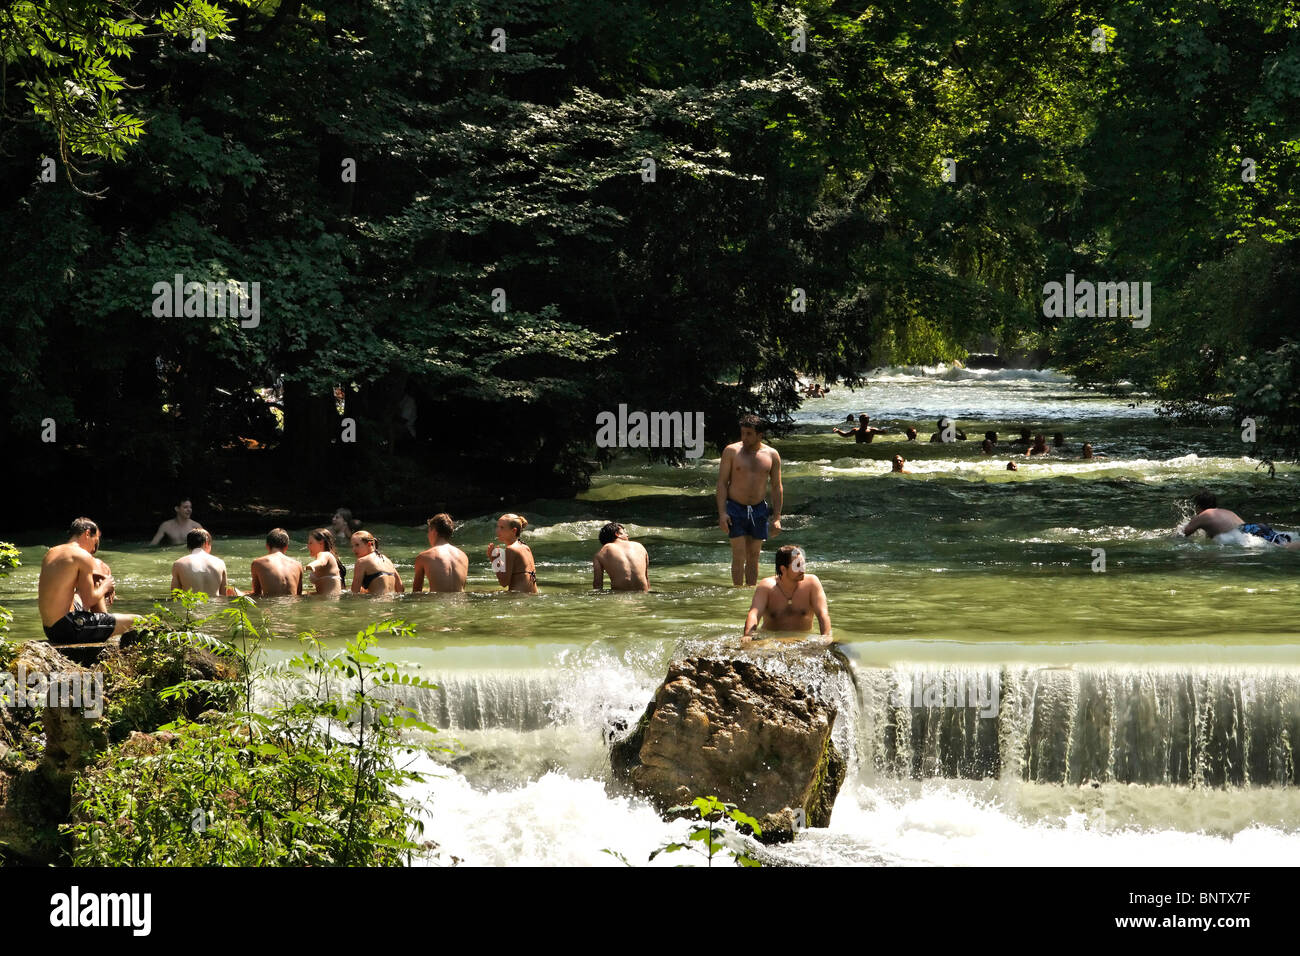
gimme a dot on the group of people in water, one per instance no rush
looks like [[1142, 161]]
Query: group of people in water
[[76, 588], [865, 432]]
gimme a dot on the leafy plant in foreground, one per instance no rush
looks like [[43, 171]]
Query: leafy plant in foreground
[[711, 836]]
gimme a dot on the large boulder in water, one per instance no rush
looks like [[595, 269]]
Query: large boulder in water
[[734, 730]]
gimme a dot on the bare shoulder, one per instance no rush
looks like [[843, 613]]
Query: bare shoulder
[[732, 449], [776, 455]]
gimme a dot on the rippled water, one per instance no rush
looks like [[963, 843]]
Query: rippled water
[[961, 564]]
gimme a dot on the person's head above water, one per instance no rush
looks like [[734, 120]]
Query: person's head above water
[[198, 538], [899, 462], [1011, 466], [991, 437], [864, 420], [184, 508], [610, 532], [1087, 450], [441, 526], [791, 557], [1205, 500], [277, 540], [510, 527], [1024, 434], [86, 533], [986, 446], [363, 542], [911, 434], [1058, 439]]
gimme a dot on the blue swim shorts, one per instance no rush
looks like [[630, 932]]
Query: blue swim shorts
[[748, 519], [1265, 532]]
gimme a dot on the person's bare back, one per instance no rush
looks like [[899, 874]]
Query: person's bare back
[[200, 571], [1213, 521], [626, 562], [276, 575], [445, 565]]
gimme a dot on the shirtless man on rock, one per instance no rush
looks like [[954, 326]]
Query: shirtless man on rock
[[790, 599], [68, 573]]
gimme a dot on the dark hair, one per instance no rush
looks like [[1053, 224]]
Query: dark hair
[[754, 422], [991, 436], [1024, 433], [326, 537], [441, 523], [864, 419], [353, 524], [278, 538], [197, 539], [81, 526], [785, 555], [610, 532], [1205, 499], [181, 501], [1059, 438]]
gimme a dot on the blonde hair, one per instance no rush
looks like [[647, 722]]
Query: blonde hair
[[368, 538], [518, 522]]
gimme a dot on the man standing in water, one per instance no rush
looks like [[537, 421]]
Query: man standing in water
[[199, 570], [446, 565], [790, 599], [68, 572], [626, 561], [175, 529], [275, 574], [742, 511]]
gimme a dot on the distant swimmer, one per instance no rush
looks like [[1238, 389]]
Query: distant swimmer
[[1011, 466], [343, 525], [275, 574], [445, 565], [68, 573], [898, 462], [743, 511], [789, 600], [911, 434], [199, 570], [991, 437], [986, 447], [864, 432], [175, 529], [1024, 438], [374, 572], [945, 423], [1215, 521], [1087, 450], [1039, 447], [1058, 442], [513, 563], [325, 569], [625, 561]]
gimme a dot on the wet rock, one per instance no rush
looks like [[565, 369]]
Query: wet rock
[[740, 732]]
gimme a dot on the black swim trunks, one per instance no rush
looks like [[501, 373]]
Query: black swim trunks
[[81, 627]]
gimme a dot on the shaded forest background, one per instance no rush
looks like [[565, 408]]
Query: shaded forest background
[[1119, 141]]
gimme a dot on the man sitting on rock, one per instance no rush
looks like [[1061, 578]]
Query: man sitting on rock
[[788, 600], [68, 571]]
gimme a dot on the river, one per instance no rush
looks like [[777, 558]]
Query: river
[[1145, 715]]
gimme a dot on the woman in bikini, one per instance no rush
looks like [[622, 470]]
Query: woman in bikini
[[513, 564], [373, 573], [327, 572]]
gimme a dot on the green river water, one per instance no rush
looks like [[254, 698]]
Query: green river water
[[1147, 711]]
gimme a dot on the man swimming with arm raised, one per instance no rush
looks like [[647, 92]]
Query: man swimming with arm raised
[[790, 599]]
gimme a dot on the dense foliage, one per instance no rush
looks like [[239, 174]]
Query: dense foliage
[[793, 149], [311, 781]]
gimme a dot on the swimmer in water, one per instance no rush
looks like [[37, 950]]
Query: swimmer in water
[[1039, 447], [1011, 466], [200, 570], [790, 599], [898, 462], [374, 572], [864, 432], [175, 529], [911, 434], [1215, 521], [445, 565], [275, 574], [326, 570], [513, 563], [625, 561]]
